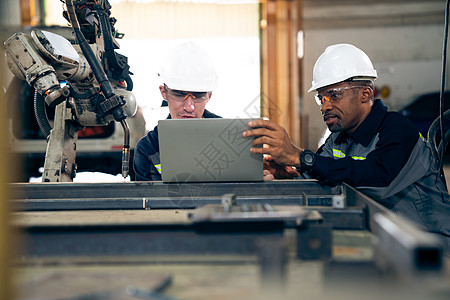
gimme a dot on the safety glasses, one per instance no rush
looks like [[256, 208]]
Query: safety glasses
[[181, 96], [333, 95]]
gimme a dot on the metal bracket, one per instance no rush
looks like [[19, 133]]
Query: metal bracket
[[59, 163], [228, 200]]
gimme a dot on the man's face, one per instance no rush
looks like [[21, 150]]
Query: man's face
[[184, 104], [341, 106]]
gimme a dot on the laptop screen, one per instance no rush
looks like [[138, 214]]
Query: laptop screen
[[204, 150]]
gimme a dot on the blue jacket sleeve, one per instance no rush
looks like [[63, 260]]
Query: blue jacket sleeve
[[397, 138], [144, 168]]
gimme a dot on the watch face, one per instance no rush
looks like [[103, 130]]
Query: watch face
[[309, 158]]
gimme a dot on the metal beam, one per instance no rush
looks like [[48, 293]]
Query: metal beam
[[208, 232], [152, 188], [157, 195], [401, 246]]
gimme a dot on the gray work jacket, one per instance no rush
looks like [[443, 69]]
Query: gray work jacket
[[388, 160]]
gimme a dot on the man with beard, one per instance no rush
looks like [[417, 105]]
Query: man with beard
[[376, 151]]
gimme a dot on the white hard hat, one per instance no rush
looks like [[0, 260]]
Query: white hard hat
[[341, 62], [188, 67]]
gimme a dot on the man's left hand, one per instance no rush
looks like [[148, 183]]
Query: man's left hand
[[268, 176], [279, 171]]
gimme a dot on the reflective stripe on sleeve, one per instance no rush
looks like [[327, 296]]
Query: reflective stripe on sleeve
[[158, 168], [358, 158], [423, 139], [338, 153]]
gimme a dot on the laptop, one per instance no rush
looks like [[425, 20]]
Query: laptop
[[207, 150]]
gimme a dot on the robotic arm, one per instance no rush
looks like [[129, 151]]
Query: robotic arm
[[45, 59], [35, 58]]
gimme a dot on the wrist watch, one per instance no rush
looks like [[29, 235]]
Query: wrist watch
[[307, 160]]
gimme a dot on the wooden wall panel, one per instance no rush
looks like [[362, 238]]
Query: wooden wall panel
[[280, 65], [30, 12]]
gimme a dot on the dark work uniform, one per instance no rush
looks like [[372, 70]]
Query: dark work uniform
[[387, 159], [146, 161]]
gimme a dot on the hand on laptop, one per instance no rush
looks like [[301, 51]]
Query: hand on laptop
[[276, 143], [278, 172], [267, 175]]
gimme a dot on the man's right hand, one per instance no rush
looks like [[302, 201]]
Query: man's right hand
[[276, 143]]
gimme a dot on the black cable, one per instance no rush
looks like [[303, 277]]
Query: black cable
[[96, 67], [129, 82], [441, 98], [118, 112], [433, 137], [41, 114], [118, 64]]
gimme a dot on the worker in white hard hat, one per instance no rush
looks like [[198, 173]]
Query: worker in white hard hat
[[377, 151], [188, 79]]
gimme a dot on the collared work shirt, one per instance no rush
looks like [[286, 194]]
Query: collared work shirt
[[146, 160]]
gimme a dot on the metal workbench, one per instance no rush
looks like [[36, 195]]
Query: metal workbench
[[295, 236]]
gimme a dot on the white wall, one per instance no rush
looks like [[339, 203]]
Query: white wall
[[236, 61], [9, 18], [9, 13]]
